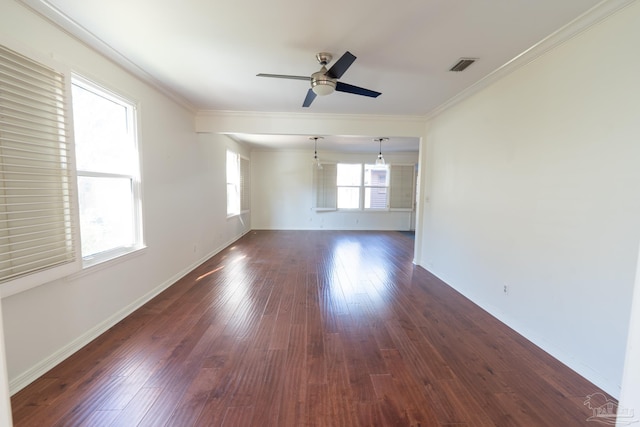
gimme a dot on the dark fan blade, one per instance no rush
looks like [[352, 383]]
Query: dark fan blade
[[284, 76], [343, 87], [311, 95], [337, 70]]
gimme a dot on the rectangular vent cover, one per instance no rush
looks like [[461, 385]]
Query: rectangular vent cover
[[463, 63]]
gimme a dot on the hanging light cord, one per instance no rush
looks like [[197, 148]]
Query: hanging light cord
[[380, 159], [315, 151]]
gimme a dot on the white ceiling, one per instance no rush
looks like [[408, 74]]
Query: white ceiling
[[208, 52]]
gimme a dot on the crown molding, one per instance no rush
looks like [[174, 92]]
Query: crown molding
[[593, 16], [308, 116], [54, 15]]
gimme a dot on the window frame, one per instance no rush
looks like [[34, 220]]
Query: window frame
[[366, 186], [133, 176], [325, 188], [241, 182], [245, 184], [359, 187]]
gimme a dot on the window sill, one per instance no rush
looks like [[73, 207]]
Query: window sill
[[97, 263], [383, 210], [67, 272], [229, 216]]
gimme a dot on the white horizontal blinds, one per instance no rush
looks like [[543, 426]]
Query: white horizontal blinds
[[402, 186], [326, 186], [35, 199], [245, 184]]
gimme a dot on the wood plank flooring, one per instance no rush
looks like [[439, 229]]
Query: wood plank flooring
[[295, 328]]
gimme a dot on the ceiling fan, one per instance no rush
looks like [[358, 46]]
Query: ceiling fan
[[325, 81]]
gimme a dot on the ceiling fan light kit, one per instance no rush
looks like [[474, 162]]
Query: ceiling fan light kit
[[325, 82], [321, 84]]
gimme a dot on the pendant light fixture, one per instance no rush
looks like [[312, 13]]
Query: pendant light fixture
[[316, 160], [380, 159]]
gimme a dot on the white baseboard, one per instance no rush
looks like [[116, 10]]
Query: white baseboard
[[35, 372]]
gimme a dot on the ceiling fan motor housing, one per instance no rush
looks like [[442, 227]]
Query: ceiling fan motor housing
[[322, 84]]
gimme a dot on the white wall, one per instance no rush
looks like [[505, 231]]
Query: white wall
[[534, 183], [183, 206], [630, 394], [5, 402], [282, 197]]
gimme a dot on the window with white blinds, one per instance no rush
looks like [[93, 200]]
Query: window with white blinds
[[36, 219], [402, 187], [382, 188], [325, 186]]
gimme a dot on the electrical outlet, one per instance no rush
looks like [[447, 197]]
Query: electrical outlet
[[505, 289]]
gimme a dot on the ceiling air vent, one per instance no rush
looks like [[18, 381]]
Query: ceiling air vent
[[463, 63]]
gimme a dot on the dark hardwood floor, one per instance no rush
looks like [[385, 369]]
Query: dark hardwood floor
[[292, 328]]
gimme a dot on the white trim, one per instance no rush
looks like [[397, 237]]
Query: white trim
[[109, 258], [63, 353], [5, 402], [331, 228], [307, 116], [132, 115], [33, 280]]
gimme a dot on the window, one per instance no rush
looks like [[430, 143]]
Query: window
[[108, 172], [376, 186], [349, 180], [238, 184], [245, 185], [37, 218], [364, 187], [233, 184]]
